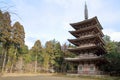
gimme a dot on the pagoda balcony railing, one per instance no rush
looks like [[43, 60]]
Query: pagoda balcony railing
[[91, 72], [83, 46], [86, 72], [89, 35], [87, 45], [88, 55]]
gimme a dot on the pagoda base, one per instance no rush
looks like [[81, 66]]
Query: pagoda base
[[88, 69]]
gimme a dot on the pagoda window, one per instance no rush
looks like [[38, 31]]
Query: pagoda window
[[92, 68], [80, 68]]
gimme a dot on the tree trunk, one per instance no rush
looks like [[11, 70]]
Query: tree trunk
[[11, 68], [7, 67], [13, 60], [35, 63], [2, 58], [21, 64], [4, 61]]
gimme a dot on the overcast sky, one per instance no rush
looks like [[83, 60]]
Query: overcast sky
[[49, 19]]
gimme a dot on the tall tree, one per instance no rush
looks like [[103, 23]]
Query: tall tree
[[18, 35], [46, 59], [37, 49], [50, 51], [5, 34], [59, 57]]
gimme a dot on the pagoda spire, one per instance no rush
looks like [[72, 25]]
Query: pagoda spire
[[86, 11]]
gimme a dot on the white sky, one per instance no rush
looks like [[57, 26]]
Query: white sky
[[49, 19]]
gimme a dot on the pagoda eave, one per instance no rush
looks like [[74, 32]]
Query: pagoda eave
[[74, 33], [75, 25], [78, 49], [74, 41], [84, 58], [81, 48]]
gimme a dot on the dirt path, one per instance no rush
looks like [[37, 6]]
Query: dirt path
[[39, 77], [25, 74]]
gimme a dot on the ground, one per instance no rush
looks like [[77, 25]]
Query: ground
[[46, 77], [41, 78]]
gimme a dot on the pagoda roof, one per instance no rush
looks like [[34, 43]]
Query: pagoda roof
[[84, 58], [90, 47], [74, 33], [77, 25], [74, 41]]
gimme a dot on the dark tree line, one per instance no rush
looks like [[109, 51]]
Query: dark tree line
[[11, 41], [112, 65], [16, 57]]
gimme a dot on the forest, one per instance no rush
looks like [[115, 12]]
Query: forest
[[15, 57]]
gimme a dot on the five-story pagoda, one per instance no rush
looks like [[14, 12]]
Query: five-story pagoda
[[89, 45]]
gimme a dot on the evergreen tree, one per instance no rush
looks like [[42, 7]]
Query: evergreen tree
[[46, 59], [37, 49], [11, 59], [18, 35], [112, 57], [5, 35]]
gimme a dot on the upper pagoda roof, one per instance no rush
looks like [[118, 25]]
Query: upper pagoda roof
[[86, 21], [74, 33]]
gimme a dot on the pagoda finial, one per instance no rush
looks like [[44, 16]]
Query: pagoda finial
[[86, 12]]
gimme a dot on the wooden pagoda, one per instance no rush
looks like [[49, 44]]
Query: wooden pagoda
[[89, 45]]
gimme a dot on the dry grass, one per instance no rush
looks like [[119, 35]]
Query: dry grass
[[17, 76], [41, 78]]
